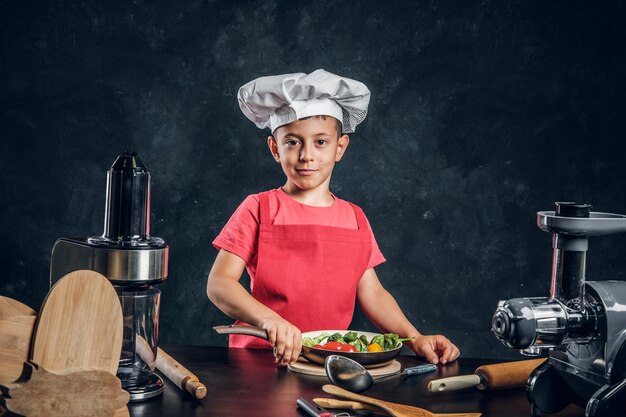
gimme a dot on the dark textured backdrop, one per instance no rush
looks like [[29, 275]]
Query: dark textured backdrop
[[482, 113]]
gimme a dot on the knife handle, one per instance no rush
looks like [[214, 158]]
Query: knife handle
[[454, 383], [420, 369], [312, 409]]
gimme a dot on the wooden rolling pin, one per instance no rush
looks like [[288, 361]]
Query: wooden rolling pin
[[179, 375], [489, 377], [169, 367]]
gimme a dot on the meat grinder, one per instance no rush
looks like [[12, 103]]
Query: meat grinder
[[582, 324], [133, 261]]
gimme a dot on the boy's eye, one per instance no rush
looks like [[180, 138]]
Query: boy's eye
[[291, 142], [322, 141]]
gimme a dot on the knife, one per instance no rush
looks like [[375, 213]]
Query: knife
[[313, 409]]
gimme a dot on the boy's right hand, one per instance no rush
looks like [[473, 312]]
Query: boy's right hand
[[285, 338]]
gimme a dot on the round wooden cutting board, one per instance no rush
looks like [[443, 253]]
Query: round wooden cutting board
[[305, 367], [80, 325]]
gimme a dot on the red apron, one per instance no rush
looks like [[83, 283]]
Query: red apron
[[308, 274]]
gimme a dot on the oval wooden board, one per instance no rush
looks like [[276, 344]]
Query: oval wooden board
[[80, 325], [308, 368], [10, 307]]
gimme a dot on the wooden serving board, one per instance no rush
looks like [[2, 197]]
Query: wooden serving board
[[305, 367], [77, 393], [15, 338], [10, 307], [80, 325]]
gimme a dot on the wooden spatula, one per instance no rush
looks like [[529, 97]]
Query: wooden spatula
[[10, 307], [396, 410], [346, 405], [80, 325], [15, 337]]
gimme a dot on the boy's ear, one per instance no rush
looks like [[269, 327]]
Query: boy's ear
[[271, 143], [342, 145]]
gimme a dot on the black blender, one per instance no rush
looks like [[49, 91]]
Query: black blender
[[582, 324], [133, 261]]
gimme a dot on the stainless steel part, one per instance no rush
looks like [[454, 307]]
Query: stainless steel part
[[144, 265], [347, 374], [596, 224], [542, 323]]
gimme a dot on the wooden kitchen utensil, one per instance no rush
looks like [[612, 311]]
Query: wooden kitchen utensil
[[179, 375], [67, 393], [396, 410], [10, 307], [80, 325], [15, 338], [346, 405], [490, 377]]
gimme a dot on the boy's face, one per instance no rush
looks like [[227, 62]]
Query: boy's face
[[307, 150]]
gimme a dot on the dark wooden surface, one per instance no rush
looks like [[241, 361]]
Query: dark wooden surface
[[244, 382]]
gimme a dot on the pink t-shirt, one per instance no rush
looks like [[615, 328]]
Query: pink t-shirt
[[241, 234]]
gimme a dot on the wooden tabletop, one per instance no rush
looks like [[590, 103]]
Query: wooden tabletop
[[245, 382]]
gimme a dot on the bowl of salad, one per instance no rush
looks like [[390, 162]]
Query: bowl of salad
[[367, 348]]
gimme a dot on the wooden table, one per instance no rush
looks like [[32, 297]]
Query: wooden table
[[245, 382]]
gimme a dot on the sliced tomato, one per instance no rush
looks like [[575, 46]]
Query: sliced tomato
[[340, 347]]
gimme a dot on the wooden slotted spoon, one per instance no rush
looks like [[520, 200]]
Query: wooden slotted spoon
[[396, 410]]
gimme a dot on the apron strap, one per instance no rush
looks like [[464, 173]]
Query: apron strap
[[360, 217], [264, 206]]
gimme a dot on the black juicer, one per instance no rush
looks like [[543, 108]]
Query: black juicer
[[133, 262], [582, 324]]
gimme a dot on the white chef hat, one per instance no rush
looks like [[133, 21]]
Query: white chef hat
[[277, 100]]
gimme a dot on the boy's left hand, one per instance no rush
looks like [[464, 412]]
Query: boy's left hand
[[435, 349]]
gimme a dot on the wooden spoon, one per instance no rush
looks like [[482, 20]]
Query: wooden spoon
[[15, 337], [10, 307], [396, 410], [80, 325]]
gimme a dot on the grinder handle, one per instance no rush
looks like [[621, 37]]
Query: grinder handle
[[179, 375], [506, 375]]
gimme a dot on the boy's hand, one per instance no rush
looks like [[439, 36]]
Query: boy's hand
[[285, 338], [435, 349]]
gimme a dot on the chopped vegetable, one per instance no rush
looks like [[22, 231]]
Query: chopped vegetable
[[352, 342], [336, 337], [350, 337], [340, 347], [374, 347], [380, 339], [359, 345]]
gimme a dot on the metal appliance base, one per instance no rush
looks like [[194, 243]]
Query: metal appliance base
[[153, 387]]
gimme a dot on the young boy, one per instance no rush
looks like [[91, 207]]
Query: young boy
[[309, 254]]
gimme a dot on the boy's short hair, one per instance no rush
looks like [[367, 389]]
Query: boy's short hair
[[338, 125]]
